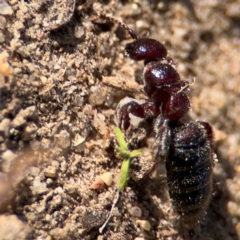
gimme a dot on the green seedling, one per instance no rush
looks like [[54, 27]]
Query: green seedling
[[124, 153]]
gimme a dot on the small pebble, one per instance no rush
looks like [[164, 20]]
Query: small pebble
[[63, 166], [79, 143], [98, 96], [99, 123], [80, 148], [135, 211], [40, 209], [144, 224], [50, 172], [5, 9], [232, 208], [107, 178], [93, 218], [3, 22], [58, 190], [64, 139], [49, 182], [48, 218], [78, 140], [38, 186], [79, 31], [70, 189], [53, 223], [59, 233], [5, 127], [97, 184], [18, 121], [19, 25]]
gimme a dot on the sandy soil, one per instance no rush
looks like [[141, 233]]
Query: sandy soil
[[61, 78]]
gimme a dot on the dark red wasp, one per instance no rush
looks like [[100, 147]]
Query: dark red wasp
[[185, 147]]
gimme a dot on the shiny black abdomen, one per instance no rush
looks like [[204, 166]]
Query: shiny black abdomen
[[189, 168]]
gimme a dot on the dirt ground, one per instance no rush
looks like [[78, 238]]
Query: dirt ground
[[61, 78]]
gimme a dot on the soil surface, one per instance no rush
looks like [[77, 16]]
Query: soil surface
[[62, 74]]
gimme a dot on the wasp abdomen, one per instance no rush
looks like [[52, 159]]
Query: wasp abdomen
[[189, 171]]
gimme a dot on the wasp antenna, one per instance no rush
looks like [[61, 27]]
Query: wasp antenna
[[130, 31]]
